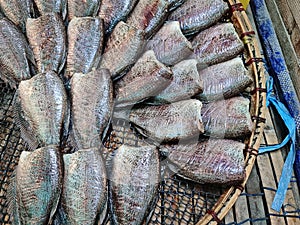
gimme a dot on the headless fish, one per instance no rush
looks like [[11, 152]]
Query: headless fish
[[170, 45], [52, 6], [176, 121], [146, 78], [47, 37], [208, 161], [85, 39], [133, 183], [196, 15], [217, 44], [82, 8], [122, 49]]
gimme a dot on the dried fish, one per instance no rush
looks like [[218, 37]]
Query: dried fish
[[113, 11], [123, 48], [169, 44], [196, 15], [52, 6], [217, 44], [47, 38], [35, 190], [14, 52], [82, 8], [133, 183], [227, 118], [176, 121], [92, 104], [149, 15], [173, 4], [209, 161], [224, 80], [145, 79], [85, 39]]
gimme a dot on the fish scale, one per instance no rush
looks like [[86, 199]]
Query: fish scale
[[52, 6], [82, 8]]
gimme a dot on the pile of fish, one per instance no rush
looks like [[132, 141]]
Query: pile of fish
[[172, 68]]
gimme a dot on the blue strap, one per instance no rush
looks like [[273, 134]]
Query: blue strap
[[288, 165]]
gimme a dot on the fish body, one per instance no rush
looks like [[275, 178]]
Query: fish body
[[209, 161], [145, 79], [224, 80], [176, 121], [217, 44], [122, 49], [173, 4], [82, 8], [47, 37], [133, 183], [196, 15], [92, 105], [52, 6], [85, 39]]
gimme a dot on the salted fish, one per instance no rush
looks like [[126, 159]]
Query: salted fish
[[228, 118], [82, 8], [224, 80], [148, 15], [34, 192], [145, 79], [113, 11], [52, 6], [186, 83], [197, 15], [169, 44], [85, 39], [173, 4], [133, 183], [208, 161], [14, 52], [92, 104], [123, 48], [217, 44], [47, 37], [176, 121]]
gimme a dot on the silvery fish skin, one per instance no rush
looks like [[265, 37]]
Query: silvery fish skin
[[43, 104], [122, 49], [217, 44], [82, 8], [176, 121], [196, 15], [17, 11], [173, 4], [170, 45], [14, 52], [35, 191], [85, 39], [84, 195], [113, 11], [133, 183], [228, 118], [224, 80], [92, 105], [52, 6], [209, 161], [148, 15], [186, 83], [146, 78]]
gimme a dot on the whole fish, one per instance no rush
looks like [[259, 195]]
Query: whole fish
[[176, 121], [14, 52], [217, 44], [113, 11], [34, 192], [148, 15], [169, 44], [84, 194], [122, 49], [52, 6], [92, 104], [145, 79], [82, 8], [208, 161], [85, 39], [196, 15], [47, 38], [173, 4], [17, 11], [224, 80], [133, 183], [186, 83], [228, 118]]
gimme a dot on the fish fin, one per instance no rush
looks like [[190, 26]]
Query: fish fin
[[12, 202]]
